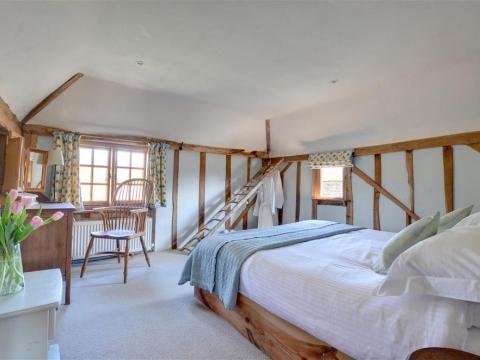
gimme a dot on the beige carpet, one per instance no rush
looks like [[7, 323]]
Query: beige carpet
[[151, 317]]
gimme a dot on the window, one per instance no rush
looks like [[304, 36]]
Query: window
[[104, 166], [328, 183]]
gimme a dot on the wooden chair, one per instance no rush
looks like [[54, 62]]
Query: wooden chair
[[133, 193], [120, 223], [124, 220]]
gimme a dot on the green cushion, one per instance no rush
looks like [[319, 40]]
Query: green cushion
[[412, 234], [452, 218]]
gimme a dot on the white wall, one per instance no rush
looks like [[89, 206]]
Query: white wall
[[428, 179]]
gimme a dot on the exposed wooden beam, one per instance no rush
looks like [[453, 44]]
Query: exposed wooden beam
[[201, 190], [297, 193], [52, 96], [411, 183], [348, 195], [448, 177], [46, 130], [384, 192], [228, 184], [8, 120], [376, 193], [267, 136], [456, 139], [176, 166], [471, 139], [475, 146]]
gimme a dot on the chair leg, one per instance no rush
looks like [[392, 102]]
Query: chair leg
[[118, 251], [125, 270], [87, 255], [145, 250]]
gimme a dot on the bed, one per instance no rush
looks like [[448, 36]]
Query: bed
[[313, 299]]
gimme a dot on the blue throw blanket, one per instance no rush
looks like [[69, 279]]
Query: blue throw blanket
[[215, 263]]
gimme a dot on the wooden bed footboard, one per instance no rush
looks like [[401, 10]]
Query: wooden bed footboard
[[281, 340]]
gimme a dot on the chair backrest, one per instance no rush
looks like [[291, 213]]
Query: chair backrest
[[124, 218], [135, 193]]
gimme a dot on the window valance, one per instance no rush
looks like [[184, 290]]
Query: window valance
[[329, 159]]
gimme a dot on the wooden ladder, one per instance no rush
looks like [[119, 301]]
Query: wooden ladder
[[239, 200]]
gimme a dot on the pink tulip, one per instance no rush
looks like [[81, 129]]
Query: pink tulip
[[13, 194], [27, 201], [57, 216], [16, 207], [36, 222]]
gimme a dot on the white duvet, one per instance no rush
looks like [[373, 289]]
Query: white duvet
[[325, 287]]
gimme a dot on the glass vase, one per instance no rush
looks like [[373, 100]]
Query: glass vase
[[11, 270]]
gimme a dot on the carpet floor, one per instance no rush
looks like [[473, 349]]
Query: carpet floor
[[150, 317]]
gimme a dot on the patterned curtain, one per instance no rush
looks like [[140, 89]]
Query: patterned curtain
[[330, 159], [67, 184], [157, 172]]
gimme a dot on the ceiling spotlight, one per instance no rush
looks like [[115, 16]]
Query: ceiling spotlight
[[139, 62]]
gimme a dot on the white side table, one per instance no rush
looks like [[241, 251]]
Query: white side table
[[27, 318]]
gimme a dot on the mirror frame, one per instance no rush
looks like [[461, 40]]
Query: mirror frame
[[43, 186]]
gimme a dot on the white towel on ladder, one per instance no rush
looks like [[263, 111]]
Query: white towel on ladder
[[269, 199]]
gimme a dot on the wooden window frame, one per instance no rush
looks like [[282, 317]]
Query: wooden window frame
[[112, 184]]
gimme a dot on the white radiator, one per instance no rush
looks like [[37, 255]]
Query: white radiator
[[81, 237]]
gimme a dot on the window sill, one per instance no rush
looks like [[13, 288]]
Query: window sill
[[334, 202]]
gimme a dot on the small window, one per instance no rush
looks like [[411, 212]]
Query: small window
[[328, 183]]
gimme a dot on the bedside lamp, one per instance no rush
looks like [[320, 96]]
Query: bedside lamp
[[55, 158]]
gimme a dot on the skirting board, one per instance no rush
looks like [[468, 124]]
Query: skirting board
[[281, 340]]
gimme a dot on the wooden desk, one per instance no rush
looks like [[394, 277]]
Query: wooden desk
[[50, 247]]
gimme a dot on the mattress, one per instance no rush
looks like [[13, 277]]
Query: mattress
[[325, 288]]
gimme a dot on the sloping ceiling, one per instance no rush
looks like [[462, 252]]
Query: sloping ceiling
[[328, 74]]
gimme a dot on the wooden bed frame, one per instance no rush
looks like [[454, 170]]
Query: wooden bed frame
[[281, 340]]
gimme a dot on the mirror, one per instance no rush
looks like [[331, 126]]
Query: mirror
[[36, 171]]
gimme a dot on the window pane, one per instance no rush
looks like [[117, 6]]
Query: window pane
[[85, 174], [85, 156], [137, 174], [100, 175], [100, 157], [86, 192], [332, 182], [138, 159], [123, 158], [99, 193], [122, 175]]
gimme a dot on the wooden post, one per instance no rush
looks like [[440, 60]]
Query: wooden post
[[282, 176], [228, 183], [201, 190], [249, 176], [316, 176], [448, 177], [176, 163], [411, 183], [376, 193], [267, 135], [297, 198], [348, 195]]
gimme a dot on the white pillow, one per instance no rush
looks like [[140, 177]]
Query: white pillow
[[446, 265], [472, 220]]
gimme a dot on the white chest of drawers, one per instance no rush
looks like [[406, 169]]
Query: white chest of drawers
[[27, 318]]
